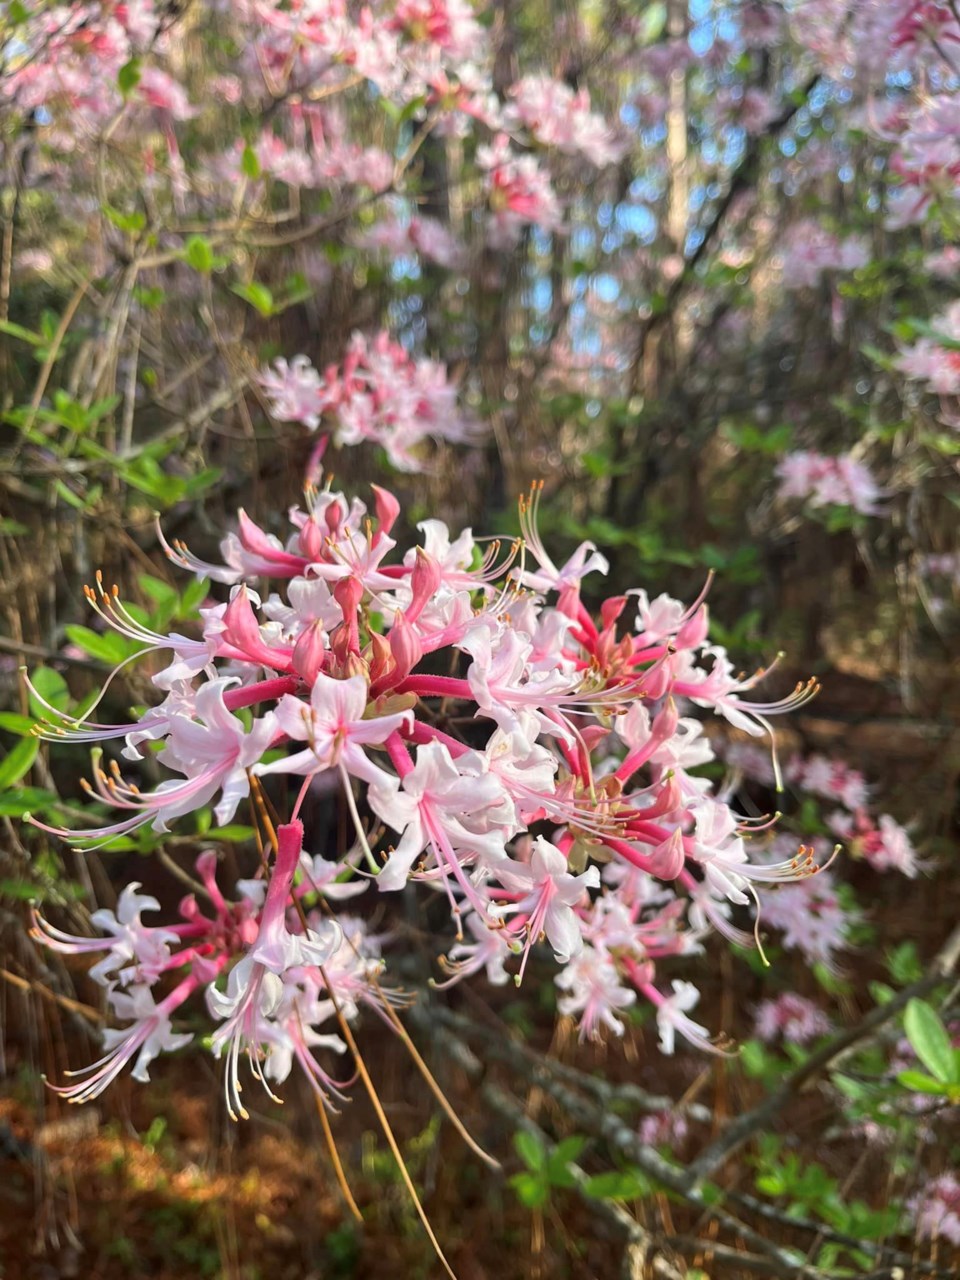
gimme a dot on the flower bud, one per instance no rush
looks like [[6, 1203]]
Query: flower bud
[[348, 593], [311, 539], [189, 908], [611, 610], [424, 582], [669, 799], [309, 652], [657, 680], [693, 633], [667, 859], [387, 508], [666, 721], [333, 516], [405, 646], [254, 539], [377, 656]]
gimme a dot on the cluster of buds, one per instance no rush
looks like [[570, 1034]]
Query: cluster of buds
[[491, 738], [822, 481], [380, 394]]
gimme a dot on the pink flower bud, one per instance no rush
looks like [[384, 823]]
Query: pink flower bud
[[309, 652], [379, 658], [611, 610], [666, 721], [657, 680], [405, 646], [348, 593], [333, 516], [424, 582], [242, 631], [311, 539], [666, 860], [387, 508], [240, 627], [253, 538], [669, 799], [247, 931], [693, 633], [188, 907]]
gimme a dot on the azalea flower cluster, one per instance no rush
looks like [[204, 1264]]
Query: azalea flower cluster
[[841, 481], [531, 761], [811, 916], [935, 359], [915, 41], [810, 252], [937, 1209], [942, 564], [379, 394], [792, 1018], [880, 840]]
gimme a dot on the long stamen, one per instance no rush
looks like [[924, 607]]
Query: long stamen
[[338, 1170], [355, 817], [385, 1126], [434, 1087]]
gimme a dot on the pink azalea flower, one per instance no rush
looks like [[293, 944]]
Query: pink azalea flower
[[550, 894], [334, 727]]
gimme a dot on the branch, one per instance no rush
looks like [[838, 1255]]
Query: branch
[[599, 1118], [744, 1127], [742, 178], [534, 1065], [616, 1216], [48, 655]]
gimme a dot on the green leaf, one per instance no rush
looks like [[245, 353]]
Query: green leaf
[[232, 834], [531, 1190], [205, 479], [160, 592], [917, 1082], [129, 222], [930, 1041], [17, 761], [617, 1184], [52, 687], [855, 1090], [754, 1058], [881, 992], [880, 358], [151, 297], [942, 443], [14, 723], [249, 163], [25, 800], [199, 254], [652, 23], [193, 596], [18, 331], [128, 77], [771, 1184], [22, 890], [903, 963], [569, 1149], [258, 295], [70, 498], [530, 1151], [106, 647]]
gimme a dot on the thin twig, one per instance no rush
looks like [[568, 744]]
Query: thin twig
[[745, 1126], [614, 1214]]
